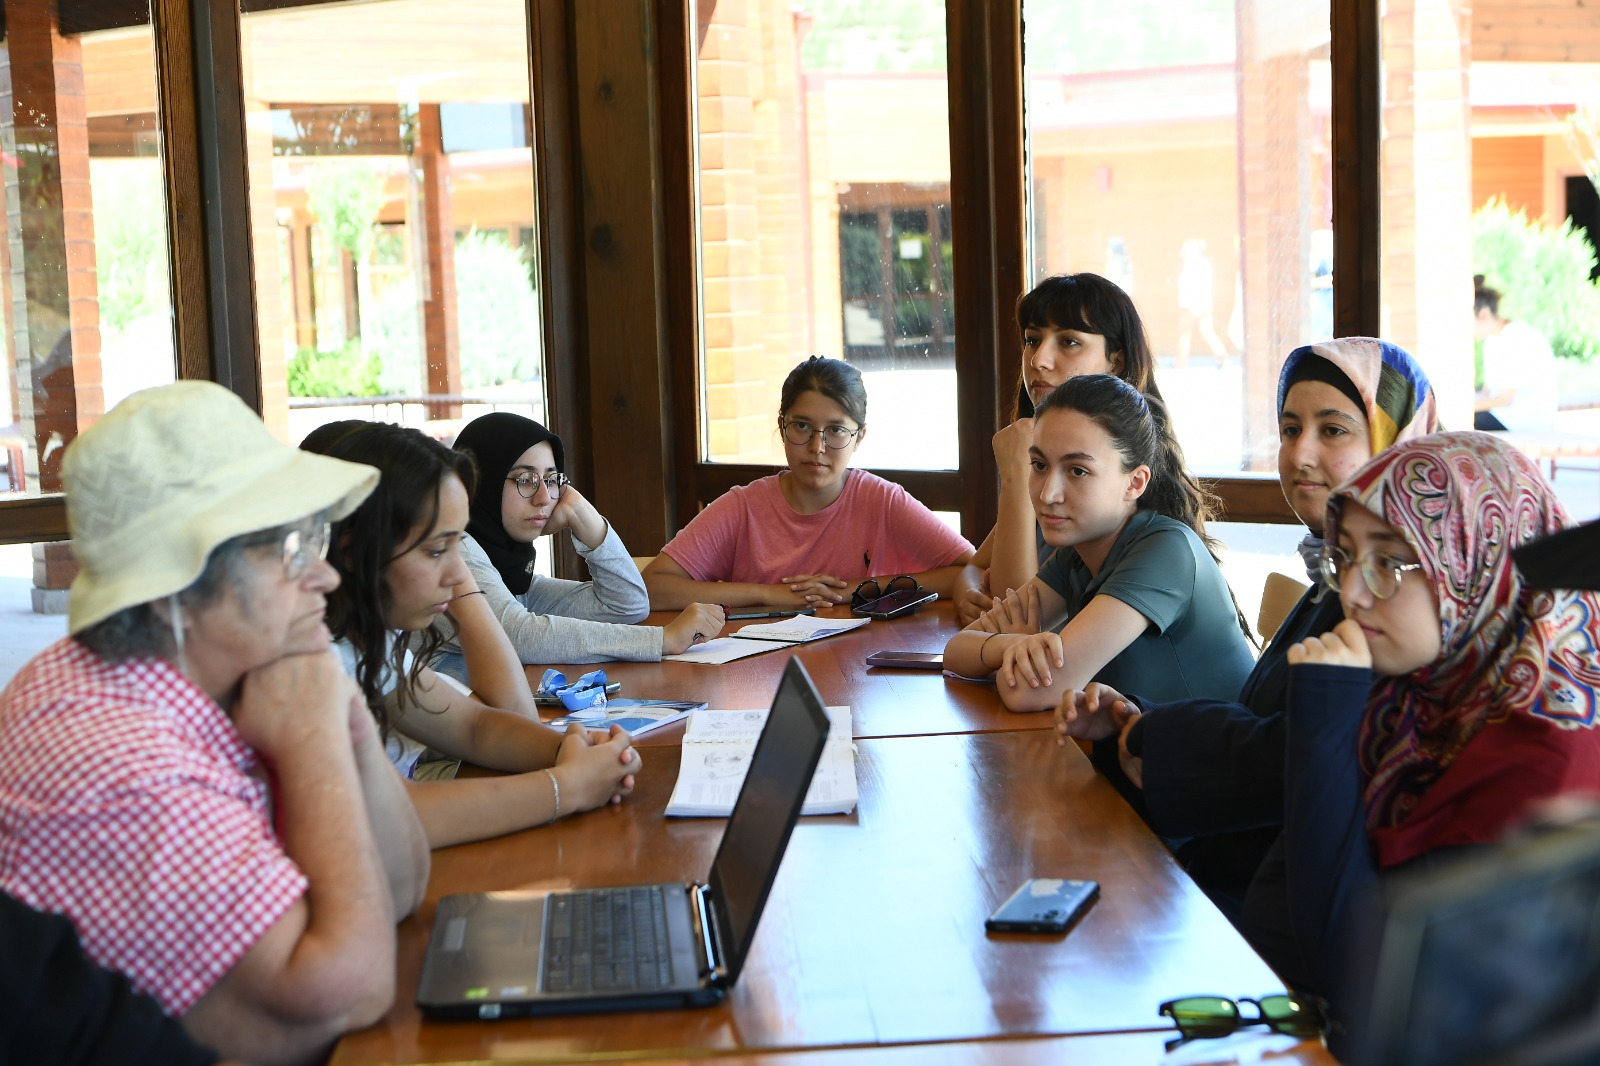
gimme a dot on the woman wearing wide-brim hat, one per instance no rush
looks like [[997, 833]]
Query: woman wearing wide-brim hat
[[189, 775]]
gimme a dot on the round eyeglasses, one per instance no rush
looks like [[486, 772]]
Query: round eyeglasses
[[800, 433], [301, 546], [528, 485], [1380, 572]]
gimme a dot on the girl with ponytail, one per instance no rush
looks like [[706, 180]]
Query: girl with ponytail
[[1069, 325], [1133, 592]]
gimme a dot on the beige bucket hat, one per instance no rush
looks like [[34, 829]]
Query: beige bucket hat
[[169, 474]]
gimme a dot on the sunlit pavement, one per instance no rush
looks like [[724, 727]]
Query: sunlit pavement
[[22, 633]]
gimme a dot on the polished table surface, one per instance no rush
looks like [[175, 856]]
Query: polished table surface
[[885, 702], [1099, 1049], [874, 932]]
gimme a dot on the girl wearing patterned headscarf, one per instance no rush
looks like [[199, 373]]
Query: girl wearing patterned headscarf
[[523, 494], [1451, 700]]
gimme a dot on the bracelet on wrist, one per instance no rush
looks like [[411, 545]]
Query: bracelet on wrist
[[984, 662], [555, 787], [464, 595]]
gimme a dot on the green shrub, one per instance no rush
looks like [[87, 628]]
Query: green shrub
[[1543, 272], [497, 313], [130, 237], [341, 372]]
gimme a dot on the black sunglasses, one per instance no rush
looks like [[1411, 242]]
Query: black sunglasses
[[1211, 1017], [869, 589]]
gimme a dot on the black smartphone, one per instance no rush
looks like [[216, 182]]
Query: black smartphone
[[908, 660], [895, 604], [1043, 905]]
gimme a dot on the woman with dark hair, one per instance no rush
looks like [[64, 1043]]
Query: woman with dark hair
[[523, 494], [807, 535], [1132, 590], [399, 558], [1070, 324]]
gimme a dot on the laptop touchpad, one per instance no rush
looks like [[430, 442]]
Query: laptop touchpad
[[504, 930]]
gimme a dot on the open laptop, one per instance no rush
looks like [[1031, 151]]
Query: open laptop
[[508, 954]]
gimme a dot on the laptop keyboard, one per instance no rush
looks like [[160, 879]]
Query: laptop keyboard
[[606, 940]]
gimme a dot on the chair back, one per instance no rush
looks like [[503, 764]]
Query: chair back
[[1278, 597]]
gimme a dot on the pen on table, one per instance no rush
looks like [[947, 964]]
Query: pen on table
[[747, 615]]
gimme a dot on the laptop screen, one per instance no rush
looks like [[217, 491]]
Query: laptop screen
[[764, 814], [1495, 957]]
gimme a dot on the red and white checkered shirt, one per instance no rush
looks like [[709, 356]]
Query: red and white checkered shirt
[[128, 803]]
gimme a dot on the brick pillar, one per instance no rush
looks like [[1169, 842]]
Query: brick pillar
[[44, 141], [827, 302], [267, 270], [728, 68], [1427, 194], [780, 191], [12, 411], [440, 338], [305, 302], [1274, 131], [271, 329]]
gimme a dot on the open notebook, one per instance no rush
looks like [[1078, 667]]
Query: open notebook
[[755, 639], [718, 747]]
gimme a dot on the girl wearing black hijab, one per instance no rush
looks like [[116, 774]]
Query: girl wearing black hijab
[[523, 494]]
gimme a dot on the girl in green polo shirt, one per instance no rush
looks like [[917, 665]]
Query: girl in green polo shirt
[[1134, 593]]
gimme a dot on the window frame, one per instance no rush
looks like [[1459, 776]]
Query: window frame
[[988, 180], [201, 111], [654, 481]]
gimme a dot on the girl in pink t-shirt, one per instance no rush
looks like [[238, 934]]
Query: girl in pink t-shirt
[[809, 535]]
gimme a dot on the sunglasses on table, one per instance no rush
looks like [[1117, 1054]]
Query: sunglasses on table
[[1213, 1017], [870, 590]]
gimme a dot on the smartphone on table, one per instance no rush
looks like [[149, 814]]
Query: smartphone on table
[[908, 660], [895, 604], [1043, 905]]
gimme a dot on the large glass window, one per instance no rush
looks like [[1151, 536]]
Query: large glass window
[[824, 166], [1181, 149], [393, 212], [87, 291], [1491, 154], [85, 284]]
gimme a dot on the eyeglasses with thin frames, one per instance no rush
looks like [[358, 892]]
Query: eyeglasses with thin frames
[[528, 485], [301, 546], [1381, 572], [799, 433]]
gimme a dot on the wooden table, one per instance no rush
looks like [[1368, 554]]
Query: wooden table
[[874, 932], [885, 702], [1100, 1049]]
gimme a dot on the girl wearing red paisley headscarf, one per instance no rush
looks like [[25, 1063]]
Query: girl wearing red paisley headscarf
[[1451, 700]]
